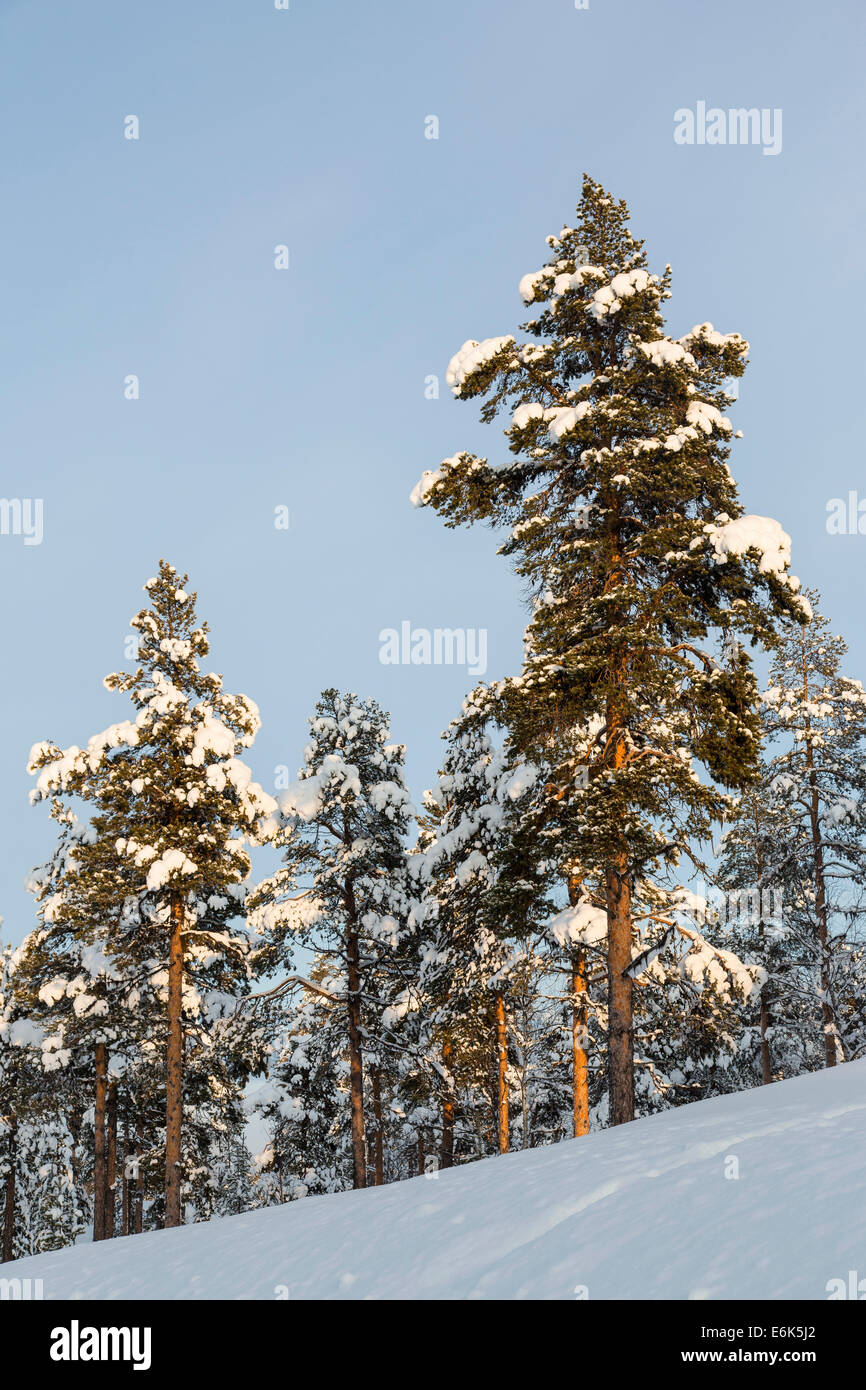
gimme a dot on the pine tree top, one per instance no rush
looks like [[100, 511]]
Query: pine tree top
[[173, 809], [641, 567]]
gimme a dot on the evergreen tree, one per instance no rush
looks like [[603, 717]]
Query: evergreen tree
[[625, 522], [304, 1101], [70, 988], [816, 729], [692, 996], [40, 1203], [475, 918], [756, 862], [173, 804], [346, 821], [13, 1087], [49, 1214]]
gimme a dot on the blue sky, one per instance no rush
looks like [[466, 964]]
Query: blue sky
[[305, 387]]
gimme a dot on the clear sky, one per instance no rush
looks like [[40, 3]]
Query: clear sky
[[305, 387]]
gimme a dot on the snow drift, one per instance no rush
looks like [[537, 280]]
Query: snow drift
[[760, 1195]]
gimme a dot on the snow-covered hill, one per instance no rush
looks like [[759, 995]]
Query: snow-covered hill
[[755, 1196]]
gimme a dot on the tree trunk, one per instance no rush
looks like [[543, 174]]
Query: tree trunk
[[580, 1062], [502, 1126], [617, 882], [827, 1013], [74, 1130], [421, 1169], [378, 1148], [124, 1191], [174, 1067], [111, 1159], [138, 1215], [8, 1251], [356, 1059], [579, 1021], [766, 1064], [99, 1163], [766, 1060], [620, 1015], [446, 1157]]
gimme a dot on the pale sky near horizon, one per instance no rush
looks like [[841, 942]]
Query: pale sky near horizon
[[305, 387]]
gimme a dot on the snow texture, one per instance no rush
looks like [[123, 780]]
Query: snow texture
[[761, 533], [648, 1210]]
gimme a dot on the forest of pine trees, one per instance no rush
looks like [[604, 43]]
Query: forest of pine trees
[[637, 881]]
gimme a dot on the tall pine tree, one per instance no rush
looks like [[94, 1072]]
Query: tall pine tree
[[625, 522], [172, 807]]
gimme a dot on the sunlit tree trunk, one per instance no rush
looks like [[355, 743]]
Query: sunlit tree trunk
[[502, 1125]]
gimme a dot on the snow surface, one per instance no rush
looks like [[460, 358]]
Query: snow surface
[[642, 1211]]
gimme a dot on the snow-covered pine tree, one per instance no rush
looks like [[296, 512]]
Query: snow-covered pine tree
[[13, 1087], [816, 729], [231, 1177], [692, 991], [304, 1099], [172, 805], [626, 524], [40, 1204], [756, 857], [49, 1214], [345, 825], [69, 987], [217, 1164], [453, 875], [475, 922]]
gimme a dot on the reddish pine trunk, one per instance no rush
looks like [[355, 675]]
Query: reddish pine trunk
[[420, 1155], [8, 1251], [620, 1016], [502, 1125], [356, 1059], [579, 1020], [99, 1155], [580, 1062], [446, 1158], [174, 1067]]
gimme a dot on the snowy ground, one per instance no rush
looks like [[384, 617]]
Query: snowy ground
[[646, 1211]]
